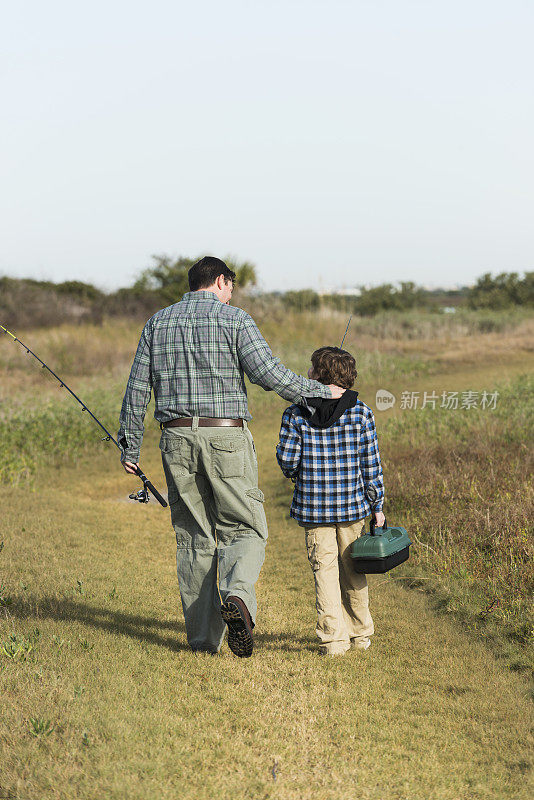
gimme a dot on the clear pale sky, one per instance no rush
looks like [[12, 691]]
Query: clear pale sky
[[331, 143]]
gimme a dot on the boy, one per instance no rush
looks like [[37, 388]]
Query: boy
[[330, 450]]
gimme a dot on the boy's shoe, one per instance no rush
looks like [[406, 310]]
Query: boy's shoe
[[325, 650], [236, 615], [360, 644]]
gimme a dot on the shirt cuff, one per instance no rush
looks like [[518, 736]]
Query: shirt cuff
[[133, 458]]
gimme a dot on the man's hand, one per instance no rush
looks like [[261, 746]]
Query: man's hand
[[380, 519], [129, 467], [337, 391]]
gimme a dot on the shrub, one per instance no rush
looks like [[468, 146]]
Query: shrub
[[503, 291], [305, 300]]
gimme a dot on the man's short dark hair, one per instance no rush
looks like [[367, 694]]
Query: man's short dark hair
[[206, 271], [333, 365]]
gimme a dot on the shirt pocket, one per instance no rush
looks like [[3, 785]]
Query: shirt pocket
[[228, 457]]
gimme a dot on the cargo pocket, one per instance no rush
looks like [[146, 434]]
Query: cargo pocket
[[311, 547], [180, 520], [228, 457], [256, 499]]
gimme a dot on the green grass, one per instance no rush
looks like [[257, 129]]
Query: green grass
[[100, 695], [125, 710]]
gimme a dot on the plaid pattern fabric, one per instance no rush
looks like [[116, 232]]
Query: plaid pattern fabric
[[332, 467], [194, 355]]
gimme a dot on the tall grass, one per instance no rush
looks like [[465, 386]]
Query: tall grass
[[54, 432], [461, 481], [74, 350], [395, 325]]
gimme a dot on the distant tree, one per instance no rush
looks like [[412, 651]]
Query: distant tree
[[412, 296], [503, 291], [79, 290], [387, 297], [168, 277], [526, 289], [303, 300], [245, 273]]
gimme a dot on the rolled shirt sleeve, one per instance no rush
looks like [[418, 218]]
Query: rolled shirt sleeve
[[264, 369], [136, 399]]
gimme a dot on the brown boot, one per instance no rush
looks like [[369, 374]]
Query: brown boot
[[236, 615]]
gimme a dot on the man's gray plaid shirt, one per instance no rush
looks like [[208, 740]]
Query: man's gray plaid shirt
[[194, 355]]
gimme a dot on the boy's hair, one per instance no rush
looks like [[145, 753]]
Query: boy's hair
[[333, 365], [206, 271]]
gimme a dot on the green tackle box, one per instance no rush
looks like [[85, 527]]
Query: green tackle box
[[381, 549]]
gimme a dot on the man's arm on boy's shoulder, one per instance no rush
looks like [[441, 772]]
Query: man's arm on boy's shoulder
[[266, 370], [288, 450], [370, 464]]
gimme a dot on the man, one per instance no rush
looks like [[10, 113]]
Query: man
[[194, 355]]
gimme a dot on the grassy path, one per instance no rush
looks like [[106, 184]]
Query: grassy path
[[90, 587]]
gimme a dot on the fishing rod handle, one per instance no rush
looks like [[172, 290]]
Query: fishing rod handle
[[161, 500]]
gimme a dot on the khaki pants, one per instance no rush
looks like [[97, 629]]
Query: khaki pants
[[342, 599], [218, 516]]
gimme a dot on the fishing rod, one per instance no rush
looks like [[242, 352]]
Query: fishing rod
[[346, 331], [143, 494]]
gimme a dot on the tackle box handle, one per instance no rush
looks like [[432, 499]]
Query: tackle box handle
[[372, 525]]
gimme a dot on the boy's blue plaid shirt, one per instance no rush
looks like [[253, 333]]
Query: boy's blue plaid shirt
[[332, 467], [194, 355]]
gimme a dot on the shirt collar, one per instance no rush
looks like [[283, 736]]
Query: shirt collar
[[200, 295]]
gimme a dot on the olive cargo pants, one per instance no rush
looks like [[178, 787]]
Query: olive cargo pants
[[218, 516], [342, 597]]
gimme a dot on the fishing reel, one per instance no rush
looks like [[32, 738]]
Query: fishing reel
[[142, 496]]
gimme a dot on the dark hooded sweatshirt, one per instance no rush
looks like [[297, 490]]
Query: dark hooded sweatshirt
[[323, 413]]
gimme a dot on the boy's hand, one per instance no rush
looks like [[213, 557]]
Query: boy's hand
[[337, 391], [380, 519]]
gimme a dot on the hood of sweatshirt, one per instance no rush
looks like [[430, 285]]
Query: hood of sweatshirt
[[323, 413]]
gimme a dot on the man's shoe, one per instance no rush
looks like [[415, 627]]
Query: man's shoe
[[236, 615]]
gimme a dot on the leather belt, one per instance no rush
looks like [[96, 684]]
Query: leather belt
[[203, 422]]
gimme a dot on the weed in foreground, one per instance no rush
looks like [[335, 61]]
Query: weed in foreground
[[40, 727], [17, 648]]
